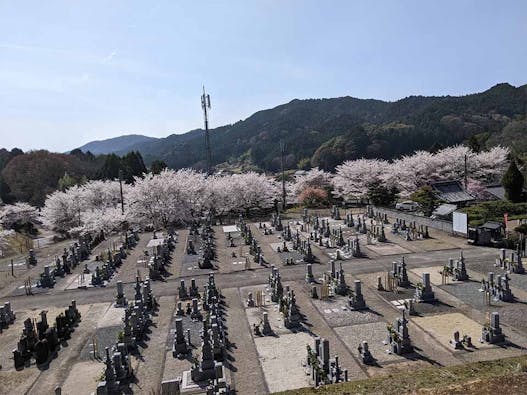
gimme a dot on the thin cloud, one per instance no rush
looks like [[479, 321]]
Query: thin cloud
[[109, 58]]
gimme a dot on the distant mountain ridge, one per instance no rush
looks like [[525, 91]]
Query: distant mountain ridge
[[325, 132], [121, 144]]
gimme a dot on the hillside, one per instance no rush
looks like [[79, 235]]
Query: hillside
[[121, 144], [325, 132], [506, 376]]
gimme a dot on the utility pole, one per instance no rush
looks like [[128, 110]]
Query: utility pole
[[121, 190], [282, 153], [466, 173], [205, 105]]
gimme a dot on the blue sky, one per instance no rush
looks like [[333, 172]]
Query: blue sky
[[76, 71]]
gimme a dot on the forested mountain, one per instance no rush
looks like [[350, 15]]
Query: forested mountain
[[324, 132], [316, 132], [29, 177], [118, 145]]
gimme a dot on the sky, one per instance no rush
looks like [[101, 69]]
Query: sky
[[76, 71]]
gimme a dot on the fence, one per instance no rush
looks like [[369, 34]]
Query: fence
[[439, 224]]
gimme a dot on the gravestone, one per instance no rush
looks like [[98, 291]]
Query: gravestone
[[309, 274], [356, 300], [398, 338], [120, 299], [365, 354], [492, 333], [423, 292], [180, 348]]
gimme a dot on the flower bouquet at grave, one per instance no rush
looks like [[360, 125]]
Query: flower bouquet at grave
[[391, 333], [447, 270], [420, 285], [283, 306], [311, 355]]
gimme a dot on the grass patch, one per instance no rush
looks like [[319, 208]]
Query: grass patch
[[426, 380]]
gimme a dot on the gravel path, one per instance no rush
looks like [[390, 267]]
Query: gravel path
[[247, 373]]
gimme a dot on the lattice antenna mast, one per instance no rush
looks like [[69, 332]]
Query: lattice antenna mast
[[282, 154], [205, 105]]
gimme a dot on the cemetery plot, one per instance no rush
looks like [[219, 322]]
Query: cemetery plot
[[174, 366], [435, 276], [83, 376], [337, 313], [281, 360], [416, 299], [442, 328], [375, 335], [64, 272], [469, 292], [408, 234], [431, 243], [234, 254], [516, 280], [279, 336], [159, 250], [30, 265], [105, 335], [506, 262], [403, 299], [339, 303], [11, 335], [384, 248], [286, 253], [488, 296], [200, 336], [332, 236], [200, 251]]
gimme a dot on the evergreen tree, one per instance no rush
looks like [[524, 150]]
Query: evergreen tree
[[158, 166], [132, 165], [380, 195], [426, 198], [110, 168], [512, 182], [5, 192], [66, 181]]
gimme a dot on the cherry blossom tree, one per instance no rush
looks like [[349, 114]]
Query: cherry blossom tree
[[175, 197], [163, 199], [252, 191], [4, 237], [489, 166], [414, 171], [108, 220], [314, 178], [354, 177], [410, 172], [101, 194], [313, 197], [477, 189], [217, 196], [62, 210], [18, 213]]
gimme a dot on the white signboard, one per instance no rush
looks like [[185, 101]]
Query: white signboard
[[460, 222], [230, 229]]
